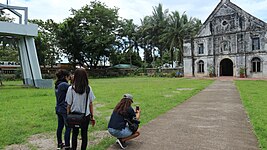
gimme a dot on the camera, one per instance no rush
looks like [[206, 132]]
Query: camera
[[137, 108]]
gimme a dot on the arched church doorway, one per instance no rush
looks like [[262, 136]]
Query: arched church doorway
[[226, 67]]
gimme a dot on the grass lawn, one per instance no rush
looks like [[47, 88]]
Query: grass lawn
[[28, 111], [254, 98]]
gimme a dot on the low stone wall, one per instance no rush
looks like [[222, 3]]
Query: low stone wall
[[110, 72], [170, 70], [137, 71]]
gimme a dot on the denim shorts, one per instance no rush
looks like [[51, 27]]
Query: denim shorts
[[120, 133]]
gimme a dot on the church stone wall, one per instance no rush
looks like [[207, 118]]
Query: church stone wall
[[228, 33]]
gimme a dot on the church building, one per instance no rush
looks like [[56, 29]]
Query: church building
[[231, 42]]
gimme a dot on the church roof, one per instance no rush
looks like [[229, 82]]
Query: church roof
[[226, 7]]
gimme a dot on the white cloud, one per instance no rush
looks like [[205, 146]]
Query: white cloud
[[134, 9]]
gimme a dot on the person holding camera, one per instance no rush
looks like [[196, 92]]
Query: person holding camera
[[119, 125]]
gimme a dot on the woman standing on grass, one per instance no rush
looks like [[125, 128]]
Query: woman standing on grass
[[76, 99], [61, 88], [117, 125]]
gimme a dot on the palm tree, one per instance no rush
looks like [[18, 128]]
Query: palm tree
[[158, 24], [129, 37], [179, 28], [175, 32], [145, 38], [162, 31], [194, 27]]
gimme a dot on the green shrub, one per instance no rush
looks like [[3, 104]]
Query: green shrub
[[8, 77], [48, 76]]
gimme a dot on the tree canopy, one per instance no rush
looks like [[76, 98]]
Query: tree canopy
[[89, 35], [95, 34], [46, 42], [164, 32], [8, 44]]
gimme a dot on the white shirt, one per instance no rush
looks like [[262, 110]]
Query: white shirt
[[77, 101]]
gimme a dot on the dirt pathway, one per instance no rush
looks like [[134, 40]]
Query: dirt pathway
[[47, 141]]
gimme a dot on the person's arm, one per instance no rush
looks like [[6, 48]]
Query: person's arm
[[134, 114], [91, 98], [69, 100], [92, 113], [91, 109], [68, 109], [138, 114]]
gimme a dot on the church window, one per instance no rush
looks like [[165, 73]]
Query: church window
[[225, 46], [240, 37], [224, 23], [255, 43], [201, 48], [256, 65], [201, 66]]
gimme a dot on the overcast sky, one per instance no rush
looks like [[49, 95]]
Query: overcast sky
[[135, 9]]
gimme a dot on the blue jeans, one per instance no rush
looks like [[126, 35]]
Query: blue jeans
[[126, 132], [62, 121]]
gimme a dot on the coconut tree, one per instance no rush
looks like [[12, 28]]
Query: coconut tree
[[194, 27], [127, 38], [158, 24], [145, 38], [175, 32], [179, 28]]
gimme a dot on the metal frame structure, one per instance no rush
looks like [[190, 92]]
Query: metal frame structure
[[28, 55]]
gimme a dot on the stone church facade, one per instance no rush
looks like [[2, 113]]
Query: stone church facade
[[231, 42]]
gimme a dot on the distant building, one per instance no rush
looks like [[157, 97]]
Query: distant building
[[230, 42], [9, 67]]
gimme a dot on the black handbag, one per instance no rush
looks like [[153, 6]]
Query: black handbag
[[75, 119], [133, 124]]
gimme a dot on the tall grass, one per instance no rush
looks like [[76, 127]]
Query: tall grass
[[254, 98], [28, 111]]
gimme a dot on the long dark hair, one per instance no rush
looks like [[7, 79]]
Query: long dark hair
[[122, 106], [80, 81]]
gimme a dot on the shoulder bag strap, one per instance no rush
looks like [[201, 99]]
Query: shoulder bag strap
[[129, 121], [87, 94]]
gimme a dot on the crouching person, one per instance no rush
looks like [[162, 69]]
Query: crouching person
[[118, 125]]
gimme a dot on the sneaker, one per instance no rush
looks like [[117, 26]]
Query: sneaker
[[122, 144], [67, 148], [60, 146]]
